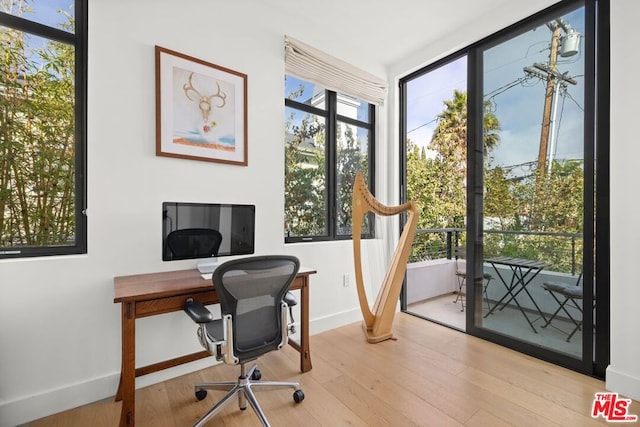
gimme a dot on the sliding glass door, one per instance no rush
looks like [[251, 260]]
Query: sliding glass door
[[517, 252], [436, 168], [533, 88]]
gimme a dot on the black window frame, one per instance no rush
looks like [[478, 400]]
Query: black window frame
[[595, 358], [78, 39], [332, 118]]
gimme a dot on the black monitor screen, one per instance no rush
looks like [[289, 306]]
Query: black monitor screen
[[203, 230]]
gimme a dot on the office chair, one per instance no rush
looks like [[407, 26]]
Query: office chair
[[563, 294], [254, 322], [188, 243], [461, 273], [203, 243]]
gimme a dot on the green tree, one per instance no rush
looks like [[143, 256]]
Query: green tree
[[305, 199], [424, 189], [37, 139], [350, 159], [558, 206], [562, 205], [500, 203], [450, 136], [437, 183], [444, 176]]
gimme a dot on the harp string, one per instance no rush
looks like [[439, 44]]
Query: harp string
[[376, 256]]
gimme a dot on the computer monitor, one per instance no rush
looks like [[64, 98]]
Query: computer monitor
[[206, 230]]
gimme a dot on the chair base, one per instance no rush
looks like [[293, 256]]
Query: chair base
[[243, 387]]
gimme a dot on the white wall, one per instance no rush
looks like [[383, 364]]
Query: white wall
[[59, 331], [431, 278], [59, 327], [623, 374]]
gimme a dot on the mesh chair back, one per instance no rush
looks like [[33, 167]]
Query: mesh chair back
[[251, 290], [190, 243]]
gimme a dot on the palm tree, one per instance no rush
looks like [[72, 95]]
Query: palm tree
[[444, 177], [450, 137]]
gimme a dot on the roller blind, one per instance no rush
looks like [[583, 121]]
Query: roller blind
[[313, 65]]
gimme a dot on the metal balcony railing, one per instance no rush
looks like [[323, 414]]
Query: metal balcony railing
[[562, 250]]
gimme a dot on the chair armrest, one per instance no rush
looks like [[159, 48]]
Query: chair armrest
[[197, 312], [290, 299]]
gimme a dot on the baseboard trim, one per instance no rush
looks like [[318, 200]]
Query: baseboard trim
[[42, 404], [29, 408], [622, 383], [333, 321]]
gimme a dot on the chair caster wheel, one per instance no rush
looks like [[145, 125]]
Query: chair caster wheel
[[256, 375], [298, 396], [201, 394]]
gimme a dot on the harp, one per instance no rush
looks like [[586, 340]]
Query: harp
[[378, 320]]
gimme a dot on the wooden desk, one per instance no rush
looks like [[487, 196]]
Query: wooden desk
[[151, 294]]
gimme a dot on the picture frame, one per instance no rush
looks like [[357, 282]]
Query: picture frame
[[201, 109]]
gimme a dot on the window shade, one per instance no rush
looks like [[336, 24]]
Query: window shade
[[310, 64]]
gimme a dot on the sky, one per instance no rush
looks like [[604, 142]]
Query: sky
[[425, 97], [46, 11], [518, 107]]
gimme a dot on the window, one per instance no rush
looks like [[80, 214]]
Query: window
[[329, 136], [42, 128], [512, 141]]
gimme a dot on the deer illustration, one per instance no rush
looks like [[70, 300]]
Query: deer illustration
[[204, 102]]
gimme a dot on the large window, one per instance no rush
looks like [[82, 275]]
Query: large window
[[501, 148], [328, 138], [42, 127]]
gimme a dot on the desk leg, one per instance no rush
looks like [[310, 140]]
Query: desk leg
[[127, 386], [305, 352]]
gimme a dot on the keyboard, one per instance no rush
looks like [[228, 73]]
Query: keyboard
[[208, 276]]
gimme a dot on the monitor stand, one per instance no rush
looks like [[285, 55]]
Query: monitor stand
[[207, 266]]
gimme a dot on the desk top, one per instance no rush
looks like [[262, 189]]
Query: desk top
[[519, 262], [165, 284]]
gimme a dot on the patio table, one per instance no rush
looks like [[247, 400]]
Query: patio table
[[524, 271]]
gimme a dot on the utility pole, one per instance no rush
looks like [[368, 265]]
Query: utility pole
[[564, 46], [555, 80], [548, 99]]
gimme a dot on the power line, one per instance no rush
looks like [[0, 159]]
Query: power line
[[488, 96], [576, 102], [506, 87], [422, 125]]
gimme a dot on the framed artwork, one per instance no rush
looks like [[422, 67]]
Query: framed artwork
[[201, 110]]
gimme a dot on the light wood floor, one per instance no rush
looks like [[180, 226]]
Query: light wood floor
[[430, 376]]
